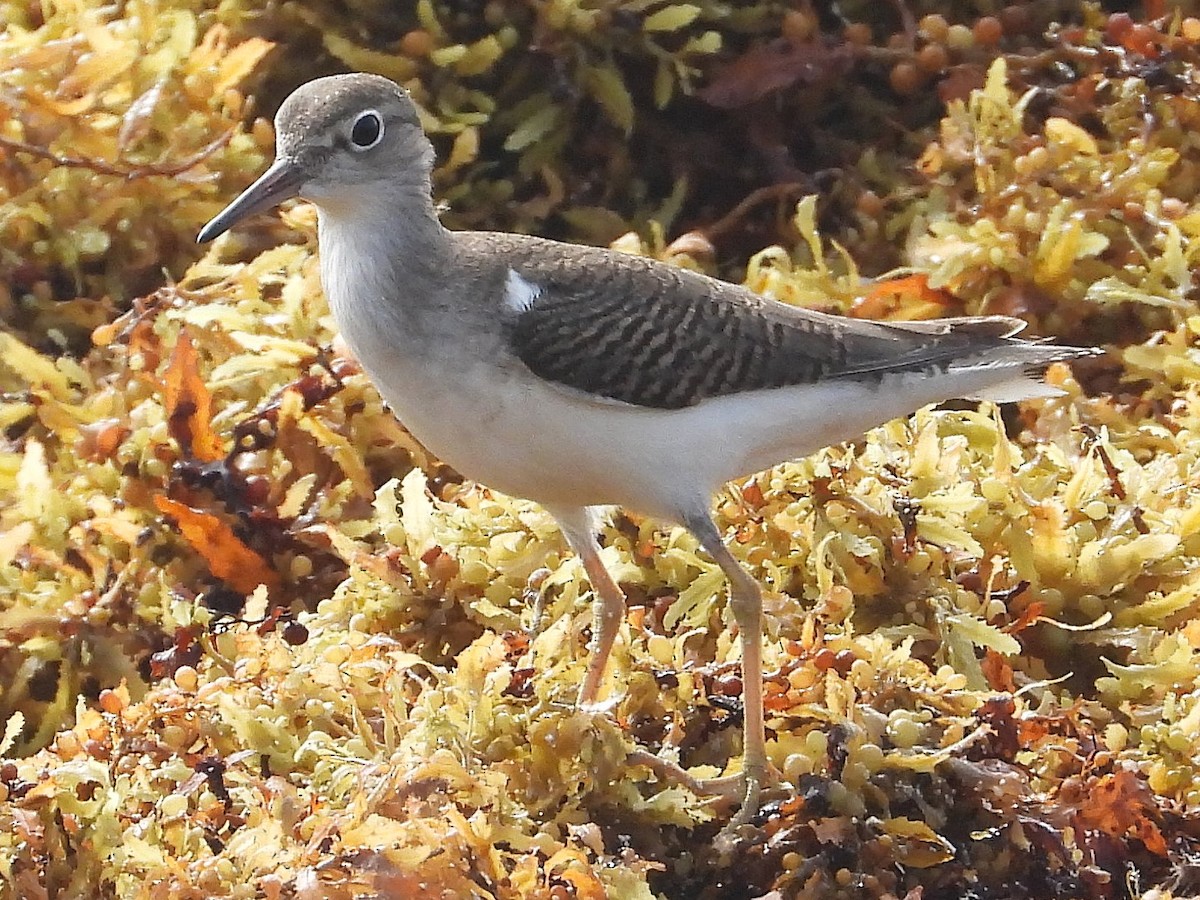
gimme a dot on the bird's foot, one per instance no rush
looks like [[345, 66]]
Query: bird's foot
[[743, 790], [723, 791], [752, 789]]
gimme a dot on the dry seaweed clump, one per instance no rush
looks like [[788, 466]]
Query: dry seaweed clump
[[1064, 190], [255, 643], [118, 128]]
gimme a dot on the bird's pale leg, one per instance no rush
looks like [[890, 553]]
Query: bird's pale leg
[[608, 609], [579, 528], [745, 598], [608, 600]]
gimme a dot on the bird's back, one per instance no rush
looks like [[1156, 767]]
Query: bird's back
[[638, 331]]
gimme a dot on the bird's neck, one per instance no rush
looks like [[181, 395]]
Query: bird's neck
[[384, 258], [398, 225]]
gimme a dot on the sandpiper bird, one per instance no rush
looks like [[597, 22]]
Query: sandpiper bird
[[583, 378]]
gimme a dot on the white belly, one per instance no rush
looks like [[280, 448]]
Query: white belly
[[516, 435], [531, 439]]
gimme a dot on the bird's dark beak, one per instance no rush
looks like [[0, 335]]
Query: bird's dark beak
[[280, 182]]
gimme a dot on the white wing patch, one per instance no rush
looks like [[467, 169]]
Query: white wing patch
[[519, 294]]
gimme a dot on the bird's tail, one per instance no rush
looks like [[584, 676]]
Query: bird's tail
[[1019, 365], [1026, 386]]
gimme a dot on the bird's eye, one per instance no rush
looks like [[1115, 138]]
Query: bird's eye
[[367, 130]]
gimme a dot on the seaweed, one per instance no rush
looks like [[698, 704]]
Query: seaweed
[[256, 642]]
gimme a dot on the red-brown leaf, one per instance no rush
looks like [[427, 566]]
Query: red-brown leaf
[[1121, 803], [189, 404], [903, 299], [998, 672], [227, 556]]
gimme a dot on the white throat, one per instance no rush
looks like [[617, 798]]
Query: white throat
[[379, 249]]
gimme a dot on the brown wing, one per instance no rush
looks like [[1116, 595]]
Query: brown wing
[[650, 334]]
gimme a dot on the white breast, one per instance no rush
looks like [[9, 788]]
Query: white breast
[[479, 417]]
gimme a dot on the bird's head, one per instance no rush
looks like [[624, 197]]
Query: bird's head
[[339, 140]]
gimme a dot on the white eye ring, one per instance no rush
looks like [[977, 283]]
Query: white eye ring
[[367, 130]]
